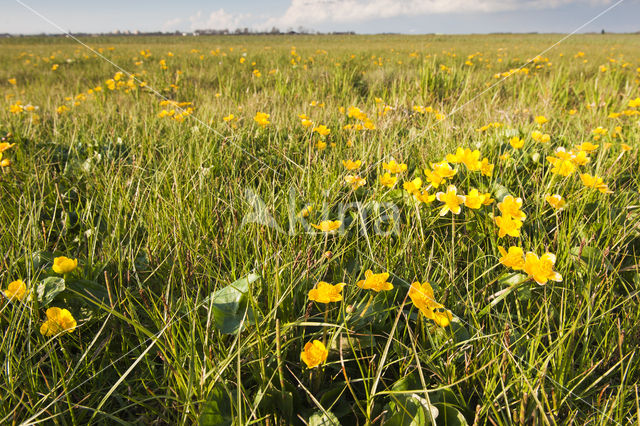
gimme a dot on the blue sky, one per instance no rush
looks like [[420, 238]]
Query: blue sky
[[362, 16]]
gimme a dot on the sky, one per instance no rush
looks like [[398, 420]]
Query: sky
[[361, 16]]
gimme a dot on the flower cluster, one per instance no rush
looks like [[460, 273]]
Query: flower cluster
[[58, 320], [315, 352], [174, 110]]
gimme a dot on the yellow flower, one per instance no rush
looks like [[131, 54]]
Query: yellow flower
[[540, 137], [328, 225], [469, 158], [562, 154], [262, 119], [413, 186], [388, 180], [487, 199], [511, 206], [505, 156], [598, 132], [581, 158], [625, 147], [393, 167], [541, 269], [562, 167], [305, 212], [351, 165], [325, 292], [485, 168], [321, 145], [16, 290], [516, 142], [375, 282], [314, 354], [556, 201], [422, 297], [587, 146], [228, 118], [434, 178], [322, 130], [633, 103], [355, 181], [540, 120], [5, 146], [12, 81], [16, 108], [424, 197], [58, 321], [64, 265], [617, 132], [513, 259], [452, 201], [306, 122], [355, 112], [443, 169], [508, 226], [474, 199], [595, 182]]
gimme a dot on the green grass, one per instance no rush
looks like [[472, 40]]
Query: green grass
[[153, 210]]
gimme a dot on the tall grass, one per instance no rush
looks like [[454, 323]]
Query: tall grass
[[153, 209]]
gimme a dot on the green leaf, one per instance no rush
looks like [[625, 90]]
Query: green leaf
[[413, 412], [217, 409], [41, 260], [322, 419], [352, 265], [450, 416], [366, 312], [284, 402], [460, 332], [512, 283], [513, 279], [90, 289], [395, 194], [592, 256], [499, 191], [49, 288], [229, 304], [332, 395]]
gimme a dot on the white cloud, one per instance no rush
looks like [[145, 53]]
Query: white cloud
[[309, 13], [312, 12], [218, 20], [172, 24]]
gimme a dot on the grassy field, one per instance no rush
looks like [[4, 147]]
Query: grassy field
[[194, 217]]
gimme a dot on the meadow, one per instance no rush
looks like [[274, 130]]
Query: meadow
[[320, 230]]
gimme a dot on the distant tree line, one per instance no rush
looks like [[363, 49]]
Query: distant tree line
[[273, 31], [225, 31]]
